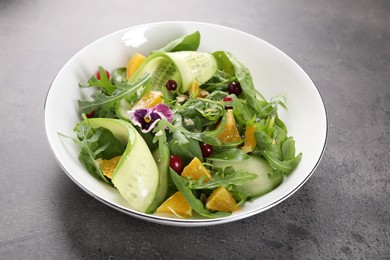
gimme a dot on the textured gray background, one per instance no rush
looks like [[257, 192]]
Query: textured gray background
[[341, 212]]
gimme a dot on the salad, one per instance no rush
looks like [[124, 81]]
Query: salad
[[183, 133]]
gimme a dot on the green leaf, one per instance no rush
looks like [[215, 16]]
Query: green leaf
[[186, 151], [263, 141], [114, 146], [102, 101], [188, 42], [224, 63], [245, 78], [243, 112], [202, 107], [269, 126], [87, 138], [227, 178], [218, 82], [104, 82], [208, 137], [288, 149], [283, 166], [118, 76], [160, 137]]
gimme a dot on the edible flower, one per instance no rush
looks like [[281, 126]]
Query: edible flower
[[147, 118]]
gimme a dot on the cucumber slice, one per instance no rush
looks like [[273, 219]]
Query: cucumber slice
[[265, 181], [161, 69], [136, 177], [121, 109], [184, 67], [162, 191], [193, 66]]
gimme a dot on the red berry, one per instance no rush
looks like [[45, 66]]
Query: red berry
[[227, 101], [107, 74], [171, 85], [175, 163], [234, 87], [207, 149]]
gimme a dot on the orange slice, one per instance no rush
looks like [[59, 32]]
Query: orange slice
[[177, 205], [108, 166], [196, 91], [249, 141], [221, 200], [148, 100], [195, 170], [230, 132], [134, 64]]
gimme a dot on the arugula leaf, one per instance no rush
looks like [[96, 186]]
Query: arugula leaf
[[225, 178], [224, 63], [284, 166], [288, 149], [244, 113], [185, 148], [263, 141], [207, 108], [218, 82], [113, 147], [118, 76], [245, 78], [103, 83], [208, 137], [102, 101], [186, 151], [87, 138], [281, 125], [217, 95], [266, 109], [161, 137], [188, 42]]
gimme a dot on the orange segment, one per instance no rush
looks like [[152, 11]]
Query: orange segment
[[250, 141], [108, 166], [196, 91], [230, 132], [195, 170], [134, 64], [148, 100], [177, 205], [221, 200]]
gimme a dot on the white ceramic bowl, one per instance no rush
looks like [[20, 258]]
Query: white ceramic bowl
[[274, 73]]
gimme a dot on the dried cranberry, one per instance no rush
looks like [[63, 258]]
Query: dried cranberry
[[171, 85], [175, 163], [207, 149], [234, 87]]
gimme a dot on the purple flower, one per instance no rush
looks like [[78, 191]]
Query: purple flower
[[147, 118]]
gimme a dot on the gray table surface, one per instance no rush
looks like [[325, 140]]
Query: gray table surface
[[341, 212]]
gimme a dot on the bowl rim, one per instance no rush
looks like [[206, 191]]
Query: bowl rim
[[187, 222]]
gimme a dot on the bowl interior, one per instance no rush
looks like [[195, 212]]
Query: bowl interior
[[273, 72]]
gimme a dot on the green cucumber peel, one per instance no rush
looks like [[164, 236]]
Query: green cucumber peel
[[184, 67]]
